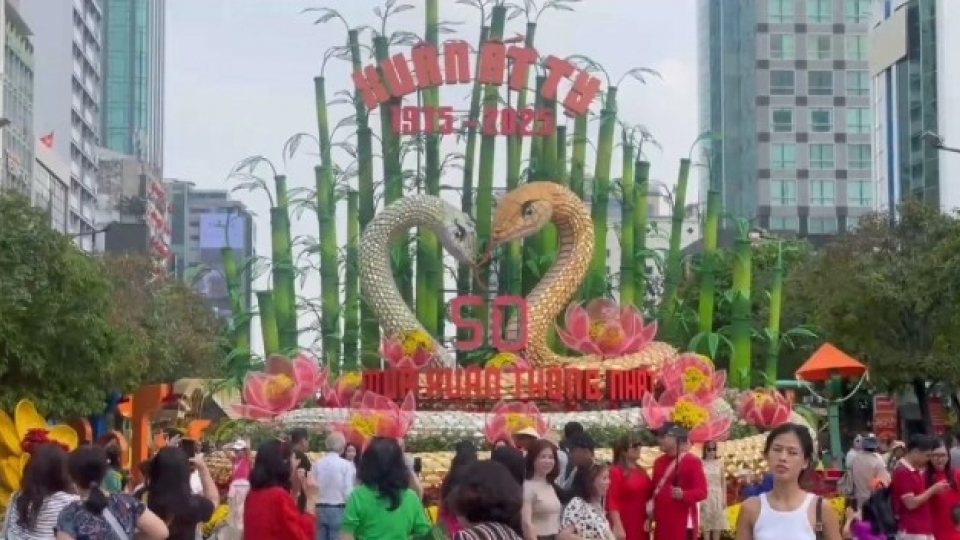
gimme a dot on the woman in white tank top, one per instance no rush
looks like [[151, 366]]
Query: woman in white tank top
[[788, 512]]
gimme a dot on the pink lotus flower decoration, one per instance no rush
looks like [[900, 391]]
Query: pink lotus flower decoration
[[376, 416], [311, 376], [413, 350], [691, 375], [764, 408], [699, 418], [279, 388], [507, 418], [343, 391], [606, 329]]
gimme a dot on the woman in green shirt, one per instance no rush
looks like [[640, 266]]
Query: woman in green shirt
[[383, 507]]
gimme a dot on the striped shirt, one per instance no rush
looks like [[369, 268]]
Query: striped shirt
[[487, 531], [46, 519]]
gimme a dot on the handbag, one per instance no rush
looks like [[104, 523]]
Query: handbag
[[818, 523], [660, 485]]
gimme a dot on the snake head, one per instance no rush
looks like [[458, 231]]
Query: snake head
[[458, 235], [521, 213]]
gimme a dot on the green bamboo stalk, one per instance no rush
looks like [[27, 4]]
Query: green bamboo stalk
[[351, 308], [535, 248], [369, 326], [578, 160], [324, 181], [597, 281], [488, 150], [284, 276], [628, 280], [773, 323], [464, 271], [429, 297], [268, 323], [708, 280], [393, 173], [674, 259], [241, 327], [740, 327], [563, 171], [329, 269], [641, 188]]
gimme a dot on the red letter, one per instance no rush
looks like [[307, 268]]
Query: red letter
[[456, 62], [473, 383], [554, 384], [409, 382], [558, 69], [615, 385], [631, 390], [474, 327], [492, 383], [582, 94], [520, 342], [522, 58], [535, 387], [398, 76], [372, 381], [426, 65], [493, 62], [645, 381], [592, 378], [434, 389], [370, 86], [573, 383]]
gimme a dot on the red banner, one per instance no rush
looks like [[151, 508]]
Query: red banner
[[885, 424], [938, 417]]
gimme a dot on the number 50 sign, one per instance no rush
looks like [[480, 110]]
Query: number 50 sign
[[475, 327]]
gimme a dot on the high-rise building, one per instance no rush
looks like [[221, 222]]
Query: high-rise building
[[785, 84], [203, 223], [18, 90], [913, 80], [52, 186], [133, 71], [67, 96]]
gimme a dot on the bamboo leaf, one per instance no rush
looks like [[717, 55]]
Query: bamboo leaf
[[405, 38], [401, 8]]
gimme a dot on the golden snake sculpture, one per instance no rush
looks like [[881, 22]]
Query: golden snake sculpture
[[525, 211], [457, 234]]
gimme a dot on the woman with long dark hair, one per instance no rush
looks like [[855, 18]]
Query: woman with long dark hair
[[270, 510], [541, 505], [630, 489], [584, 515], [941, 505], [383, 507], [465, 454], [513, 460], [44, 491], [489, 500], [169, 494], [98, 515], [788, 511]]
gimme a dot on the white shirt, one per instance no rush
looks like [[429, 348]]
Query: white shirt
[[776, 525], [335, 477], [46, 519], [196, 486]]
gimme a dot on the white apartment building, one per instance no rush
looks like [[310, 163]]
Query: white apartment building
[[51, 186], [67, 51]]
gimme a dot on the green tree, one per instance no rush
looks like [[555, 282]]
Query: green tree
[[887, 294], [175, 334], [58, 346]]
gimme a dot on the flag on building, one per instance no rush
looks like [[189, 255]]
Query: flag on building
[[47, 140]]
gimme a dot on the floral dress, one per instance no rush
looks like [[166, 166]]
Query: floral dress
[[713, 515], [588, 521], [81, 524]]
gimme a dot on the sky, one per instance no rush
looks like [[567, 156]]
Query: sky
[[239, 82]]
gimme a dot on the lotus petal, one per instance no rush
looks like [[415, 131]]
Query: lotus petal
[[254, 389]]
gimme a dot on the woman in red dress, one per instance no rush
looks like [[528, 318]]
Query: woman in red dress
[[630, 489], [941, 505]]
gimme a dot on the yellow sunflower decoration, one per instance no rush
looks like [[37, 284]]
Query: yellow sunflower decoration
[[18, 436]]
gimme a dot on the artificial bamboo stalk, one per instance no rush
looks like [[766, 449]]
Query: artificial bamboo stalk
[[351, 296], [773, 323], [284, 287], [708, 265], [563, 172], [268, 323], [578, 161], [641, 188], [740, 327], [241, 327], [597, 282], [674, 258], [628, 280], [535, 249]]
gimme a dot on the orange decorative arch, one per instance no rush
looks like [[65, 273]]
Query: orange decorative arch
[[829, 361], [146, 401]]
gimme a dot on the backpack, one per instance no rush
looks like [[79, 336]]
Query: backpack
[[878, 511]]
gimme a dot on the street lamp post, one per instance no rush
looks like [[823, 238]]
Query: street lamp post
[[937, 142]]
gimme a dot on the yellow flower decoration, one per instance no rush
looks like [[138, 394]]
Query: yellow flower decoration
[[351, 379], [367, 425], [609, 335], [414, 340], [218, 519], [689, 415], [694, 379], [13, 431], [278, 385], [516, 422], [502, 360]]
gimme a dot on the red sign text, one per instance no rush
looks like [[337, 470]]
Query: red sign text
[[493, 121], [497, 340]]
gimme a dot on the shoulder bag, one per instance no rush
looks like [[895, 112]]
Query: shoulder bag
[[818, 523], [660, 485], [115, 524]]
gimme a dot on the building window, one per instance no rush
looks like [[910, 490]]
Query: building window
[[783, 192], [821, 120], [822, 193], [781, 11], [819, 11], [859, 193], [782, 47], [782, 83], [784, 224], [821, 156], [820, 47], [853, 222], [820, 83], [858, 83], [857, 11], [782, 120], [856, 48], [783, 156], [858, 157], [822, 225], [858, 120]]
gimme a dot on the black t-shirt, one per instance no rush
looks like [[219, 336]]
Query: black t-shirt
[[184, 527], [303, 462]]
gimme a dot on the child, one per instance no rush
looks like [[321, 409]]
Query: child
[[858, 525]]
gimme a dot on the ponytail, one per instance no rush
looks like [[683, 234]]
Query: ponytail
[[96, 499]]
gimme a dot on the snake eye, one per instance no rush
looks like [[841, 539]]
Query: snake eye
[[528, 209], [460, 233]]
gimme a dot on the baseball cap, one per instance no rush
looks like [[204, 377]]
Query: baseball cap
[[582, 440], [528, 431], [239, 444], [869, 443]]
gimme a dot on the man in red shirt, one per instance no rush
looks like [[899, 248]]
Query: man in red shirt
[[909, 492], [679, 484]]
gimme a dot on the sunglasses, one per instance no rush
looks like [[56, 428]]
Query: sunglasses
[[710, 449]]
